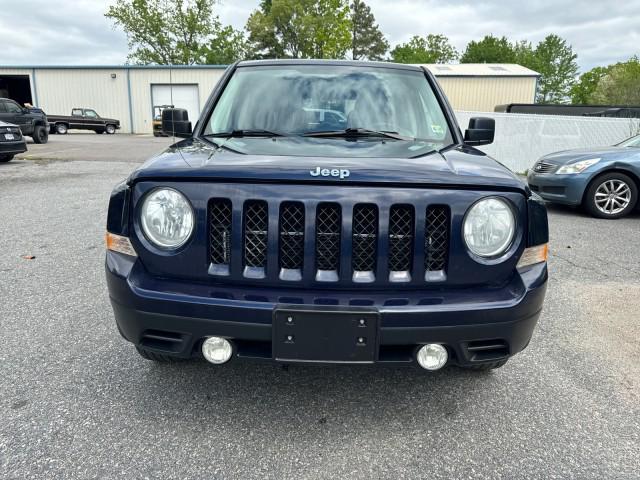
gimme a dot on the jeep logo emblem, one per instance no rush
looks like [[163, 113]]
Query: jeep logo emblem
[[330, 172]]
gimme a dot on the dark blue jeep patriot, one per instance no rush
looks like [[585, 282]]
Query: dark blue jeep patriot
[[328, 212]]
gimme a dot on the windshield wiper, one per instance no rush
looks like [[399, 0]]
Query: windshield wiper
[[245, 133], [357, 132]]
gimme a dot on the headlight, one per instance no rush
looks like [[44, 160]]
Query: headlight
[[489, 227], [166, 217], [577, 167]]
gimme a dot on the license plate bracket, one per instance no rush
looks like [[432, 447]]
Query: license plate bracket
[[325, 335]]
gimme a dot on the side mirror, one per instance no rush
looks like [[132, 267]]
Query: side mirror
[[25, 110], [480, 132], [175, 122]]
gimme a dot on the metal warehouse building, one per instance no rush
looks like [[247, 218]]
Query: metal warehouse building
[[130, 92]]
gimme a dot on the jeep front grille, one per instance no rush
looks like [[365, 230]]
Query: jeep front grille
[[329, 242]]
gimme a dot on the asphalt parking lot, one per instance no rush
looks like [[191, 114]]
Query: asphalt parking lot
[[78, 402]]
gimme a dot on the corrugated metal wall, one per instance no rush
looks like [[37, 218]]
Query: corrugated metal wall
[[61, 90], [482, 94], [142, 79], [58, 90]]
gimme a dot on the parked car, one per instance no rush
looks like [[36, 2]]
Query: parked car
[[83, 119], [11, 141], [32, 124], [604, 181], [263, 235]]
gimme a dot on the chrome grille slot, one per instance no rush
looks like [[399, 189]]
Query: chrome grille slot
[[291, 240], [401, 232], [220, 215], [436, 243], [256, 225], [364, 242], [328, 236]]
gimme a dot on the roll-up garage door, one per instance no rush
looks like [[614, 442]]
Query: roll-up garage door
[[181, 96]]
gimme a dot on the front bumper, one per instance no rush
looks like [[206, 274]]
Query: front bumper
[[565, 189], [476, 325]]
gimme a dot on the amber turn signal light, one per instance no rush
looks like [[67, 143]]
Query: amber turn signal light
[[533, 255], [120, 244]]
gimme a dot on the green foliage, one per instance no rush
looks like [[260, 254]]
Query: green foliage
[[619, 84], [556, 63], [489, 50], [175, 32], [582, 91], [300, 29], [367, 41], [552, 58], [429, 49]]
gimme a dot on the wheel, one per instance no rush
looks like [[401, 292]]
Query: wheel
[[61, 129], [156, 357], [5, 158], [612, 195], [40, 134], [488, 365], [111, 129]]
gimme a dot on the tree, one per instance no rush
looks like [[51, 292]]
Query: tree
[[367, 41], [174, 31], [582, 91], [556, 63], [300, 29], [620, 85], [524, 54], [489, 50], [429, 49]]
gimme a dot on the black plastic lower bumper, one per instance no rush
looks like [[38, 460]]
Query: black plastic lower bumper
[[483, 327], [13, 148]]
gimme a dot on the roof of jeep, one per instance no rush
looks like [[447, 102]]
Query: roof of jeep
[[347, 63]]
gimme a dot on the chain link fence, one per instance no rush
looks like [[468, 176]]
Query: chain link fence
[[521, 139]]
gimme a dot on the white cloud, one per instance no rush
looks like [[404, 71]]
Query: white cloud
[[45, 32]]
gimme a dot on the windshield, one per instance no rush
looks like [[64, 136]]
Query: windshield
[[302, 99], [631, 142]]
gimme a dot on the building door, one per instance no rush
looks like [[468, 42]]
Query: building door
[[180, 96]]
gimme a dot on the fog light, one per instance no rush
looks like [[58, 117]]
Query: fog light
[[217, 350], [432, 356]]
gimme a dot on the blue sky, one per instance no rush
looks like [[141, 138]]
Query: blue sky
[[76, 32]]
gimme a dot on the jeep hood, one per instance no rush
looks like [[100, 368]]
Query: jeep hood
[[375, 163]]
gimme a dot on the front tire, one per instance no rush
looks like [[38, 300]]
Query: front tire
[[5, 158], [156, 357], [40, 134], [61, 129], [110, 129], [612, 195]]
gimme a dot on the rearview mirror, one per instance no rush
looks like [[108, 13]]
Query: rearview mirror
[[480, 132], [175, 122]]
